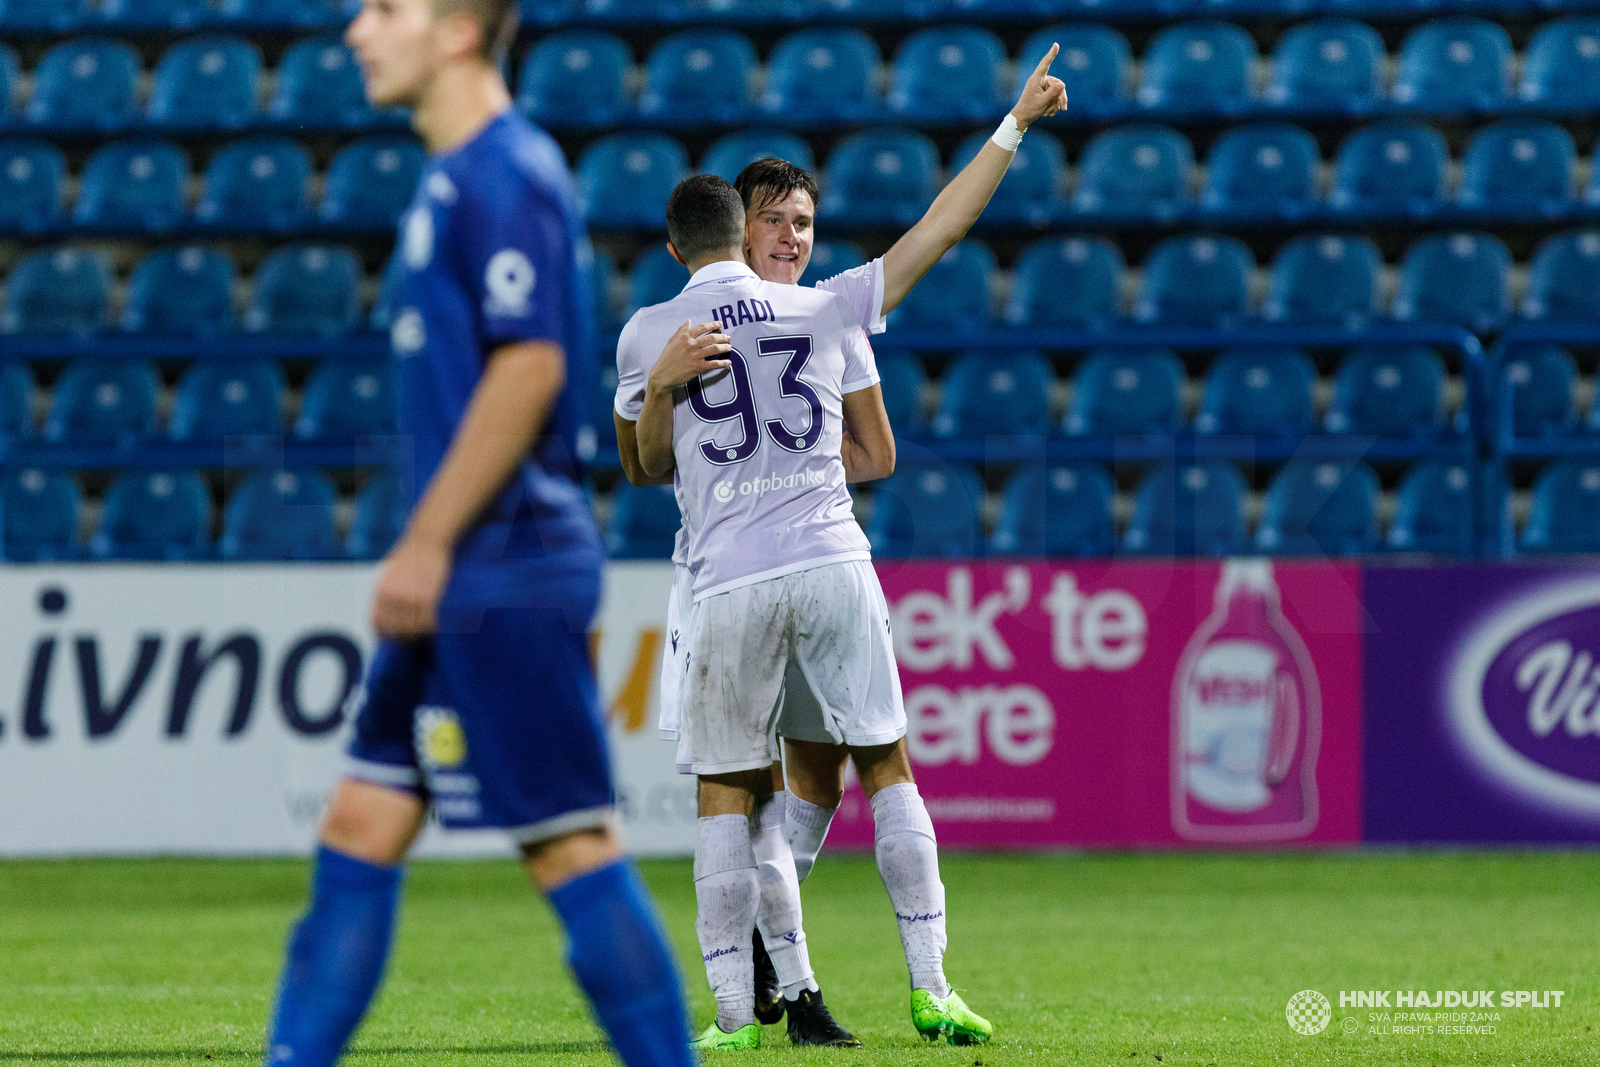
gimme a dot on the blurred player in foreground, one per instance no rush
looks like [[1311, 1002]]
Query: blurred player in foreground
[[780, 203], [480, 701]]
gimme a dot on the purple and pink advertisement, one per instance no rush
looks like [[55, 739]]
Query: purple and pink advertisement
[[1246, 703]]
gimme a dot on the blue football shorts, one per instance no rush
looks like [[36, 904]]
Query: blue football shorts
[[494, 720]]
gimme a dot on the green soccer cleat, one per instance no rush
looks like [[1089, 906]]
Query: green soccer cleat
[[949, 1018], [715, 1037]]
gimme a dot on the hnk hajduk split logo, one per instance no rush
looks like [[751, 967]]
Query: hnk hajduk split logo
[[1308, 1012]]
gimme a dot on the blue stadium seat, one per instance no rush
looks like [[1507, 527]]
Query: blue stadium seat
[[1063, 509], [294, 13], [926, 510], [345, 399], [1323, 508], [381, 318], [16, 401], [219, 399], [822, 75], [1193, 510], [1433, 510], [1030, 192], [1071, 282], [1326, 280], [41, 516], [1566, 509], [311, 289], [948, 73], [154, 14], [1454, 65], [1093, 64], [136, 184], [102, 401], [1263, 171], [1135, 171], [698, 76], [32, 186], [280, 515], [206, 82], [644, 522], [1263, 391], [85, 84], [601, 275], [185, 290], [1127, 392], [156, 515], [1388, 392], [1518, 169], [883, 177], [1463, 279], [1561, 66], [729, 155], [319, 86], [1195, 281], [1389, 170], [992, 394], [1564, 279], [380, 516], [655, 278], [258, 183], [902, 379], [1198, 67], [10, 73], [371, 182], [1331, 65], [58, 291], [43, 16], [829, 258], [954, 294], [578, 78], [1536, 382], [624, 180]]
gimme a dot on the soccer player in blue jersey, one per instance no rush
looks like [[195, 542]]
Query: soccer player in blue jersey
[[480, 701]]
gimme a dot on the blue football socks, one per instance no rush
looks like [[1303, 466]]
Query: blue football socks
[[334, 960], [619, 953]]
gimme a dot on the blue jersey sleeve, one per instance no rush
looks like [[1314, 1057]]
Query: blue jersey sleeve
[[519, 263]]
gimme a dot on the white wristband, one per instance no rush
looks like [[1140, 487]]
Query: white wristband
[[1009, 135]]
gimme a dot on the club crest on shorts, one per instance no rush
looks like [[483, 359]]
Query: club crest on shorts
[[440, 740]]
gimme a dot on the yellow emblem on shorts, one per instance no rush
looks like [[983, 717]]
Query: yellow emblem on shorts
[[441, 742]]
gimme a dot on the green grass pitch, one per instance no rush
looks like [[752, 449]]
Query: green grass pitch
[[1078, 959]]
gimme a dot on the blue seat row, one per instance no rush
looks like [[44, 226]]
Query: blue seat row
[[109, 401], [300, 289], [958, 74], [210, 83], [1139, 174], [257, 184], [167, 515], [65, 16]]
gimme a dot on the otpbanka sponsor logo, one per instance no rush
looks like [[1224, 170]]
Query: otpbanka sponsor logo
[[760, 487], [1415, 1012]]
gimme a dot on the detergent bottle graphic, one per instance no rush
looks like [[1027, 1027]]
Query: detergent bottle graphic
[[1246, 719]]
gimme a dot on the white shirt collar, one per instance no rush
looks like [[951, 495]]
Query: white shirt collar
[[716, 272]]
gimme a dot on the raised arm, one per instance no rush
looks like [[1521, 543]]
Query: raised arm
[[505, 414], [960, 203], [689, 353]]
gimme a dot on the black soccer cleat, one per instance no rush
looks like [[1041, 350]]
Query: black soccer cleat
[[769, 995], [810, 1023]]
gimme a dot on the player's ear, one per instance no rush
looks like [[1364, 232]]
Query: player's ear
[[460, 36], [673, 249]]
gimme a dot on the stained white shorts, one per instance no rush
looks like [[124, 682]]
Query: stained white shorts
[[807, 656]]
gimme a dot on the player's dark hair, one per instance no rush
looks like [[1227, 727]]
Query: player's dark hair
[[767, 181], [499, 19], [705, 214]]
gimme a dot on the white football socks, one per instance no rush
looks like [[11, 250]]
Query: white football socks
[[779, 917], [908, 861], [805, 825], [728, 895]]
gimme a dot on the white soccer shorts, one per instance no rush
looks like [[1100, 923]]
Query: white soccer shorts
[[755, 652]]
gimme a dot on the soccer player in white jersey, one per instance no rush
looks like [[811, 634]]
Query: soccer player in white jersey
[[780, 204]]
